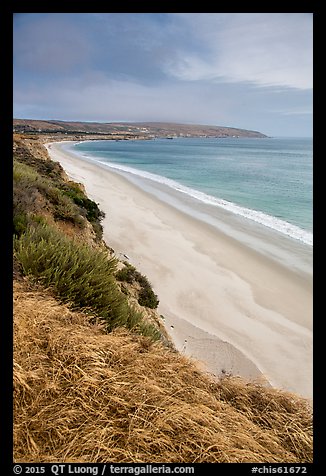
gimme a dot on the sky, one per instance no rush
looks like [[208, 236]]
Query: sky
[[246, 70]]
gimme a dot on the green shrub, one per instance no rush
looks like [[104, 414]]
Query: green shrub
[[27, 203], [149, 330], [22, 172], [46, 168], [78, 273], [91, 210], [20, 222], [126, 274], [69, 202], [26, 197], [146, 296], [98, 230], [30, 186]]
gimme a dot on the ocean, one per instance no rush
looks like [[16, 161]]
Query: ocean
[[267, 181]]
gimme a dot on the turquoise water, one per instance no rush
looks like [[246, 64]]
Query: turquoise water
[[265, 180]]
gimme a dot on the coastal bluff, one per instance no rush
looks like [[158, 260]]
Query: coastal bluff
[[129, 130], [96, 386]]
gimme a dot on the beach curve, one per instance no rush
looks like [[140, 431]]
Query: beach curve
[[224, 304]]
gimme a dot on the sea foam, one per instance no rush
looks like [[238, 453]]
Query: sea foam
[[264, 219]]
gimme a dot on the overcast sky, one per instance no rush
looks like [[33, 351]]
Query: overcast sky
[[247, 70]]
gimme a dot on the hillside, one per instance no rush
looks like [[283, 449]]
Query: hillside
[[96, 377], [82, 395], [130, 130]]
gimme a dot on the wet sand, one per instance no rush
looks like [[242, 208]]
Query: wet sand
[[229, 305]]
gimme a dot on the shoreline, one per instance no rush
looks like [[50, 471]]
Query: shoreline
[[293, 252], [232, 308]]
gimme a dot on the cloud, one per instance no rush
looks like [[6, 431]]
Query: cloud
[[101, 99], [267, 50], [112, 100], [272, 49], [298, 112], [222, 69], [50, 44]]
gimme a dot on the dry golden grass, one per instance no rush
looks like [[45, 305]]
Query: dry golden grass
[[81, 395]]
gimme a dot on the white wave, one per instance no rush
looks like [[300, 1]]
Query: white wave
[[269, 221]]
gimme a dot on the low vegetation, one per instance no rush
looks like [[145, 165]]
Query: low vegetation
[[34, 194], [78, 274], [95, 379], [82, 395], [40, 187], [73, 191], [146, 295], [78, 271]]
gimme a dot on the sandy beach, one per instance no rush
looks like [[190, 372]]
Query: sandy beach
[[234, 309]]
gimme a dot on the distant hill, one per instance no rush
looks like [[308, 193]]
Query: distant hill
[[150, 129]]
